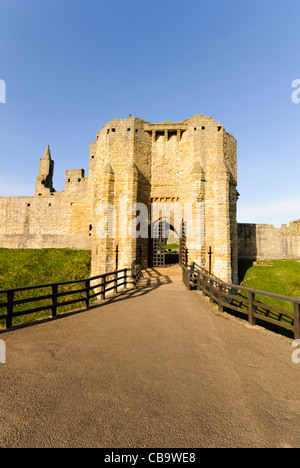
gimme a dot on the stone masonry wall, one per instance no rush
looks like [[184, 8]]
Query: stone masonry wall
[[44, 222], [265, 242]]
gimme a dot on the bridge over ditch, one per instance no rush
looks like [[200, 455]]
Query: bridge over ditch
[[154, 367]]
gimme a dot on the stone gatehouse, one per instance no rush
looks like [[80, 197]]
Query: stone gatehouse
[[135, 169]]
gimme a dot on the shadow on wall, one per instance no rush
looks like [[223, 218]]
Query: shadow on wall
[[247, 248], [243, 267]]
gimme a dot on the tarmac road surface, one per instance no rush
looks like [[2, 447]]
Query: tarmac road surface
[[154, 368]]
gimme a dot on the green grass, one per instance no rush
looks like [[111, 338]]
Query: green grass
[[280, 277], [31, 267], [276, 276], [172, 246]]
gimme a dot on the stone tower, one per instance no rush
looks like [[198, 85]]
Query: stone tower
[[44, 180], [189, 165]]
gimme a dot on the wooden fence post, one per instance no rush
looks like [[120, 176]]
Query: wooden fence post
[[198, 281], [116, 282], [210, 291], [252, 320], [188, 279], [54, 299], [87, 293], [104, 287], [296, 321], [220, 304], [9, 309]]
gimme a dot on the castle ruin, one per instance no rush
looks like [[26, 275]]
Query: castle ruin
[[191, 163]]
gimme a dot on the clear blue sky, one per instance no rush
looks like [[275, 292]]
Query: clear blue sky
[[72, 66]]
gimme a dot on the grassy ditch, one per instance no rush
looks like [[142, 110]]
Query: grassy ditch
[[275, 276], [29, 267]]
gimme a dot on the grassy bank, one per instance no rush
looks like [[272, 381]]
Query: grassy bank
[[275, 276], [30, 267]]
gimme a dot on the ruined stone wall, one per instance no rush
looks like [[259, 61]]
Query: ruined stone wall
[[49, 219], [265, 242], [56, 221]]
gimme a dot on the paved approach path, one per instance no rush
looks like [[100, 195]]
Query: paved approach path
[[158, 369]]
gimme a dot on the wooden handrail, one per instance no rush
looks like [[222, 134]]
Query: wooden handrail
[[221, 293], [55, 295]]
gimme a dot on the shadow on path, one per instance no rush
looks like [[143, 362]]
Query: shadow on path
[[151, 279]]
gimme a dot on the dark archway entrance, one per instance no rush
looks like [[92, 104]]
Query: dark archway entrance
[[159, 232], [162, 252]]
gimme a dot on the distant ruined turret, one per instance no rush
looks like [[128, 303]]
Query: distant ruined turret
[[44, 180]]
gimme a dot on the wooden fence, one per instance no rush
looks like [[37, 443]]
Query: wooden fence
[[86, 290], [245, 300]]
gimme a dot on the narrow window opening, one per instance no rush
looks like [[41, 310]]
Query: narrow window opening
[[113, 129], [171, 134]]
